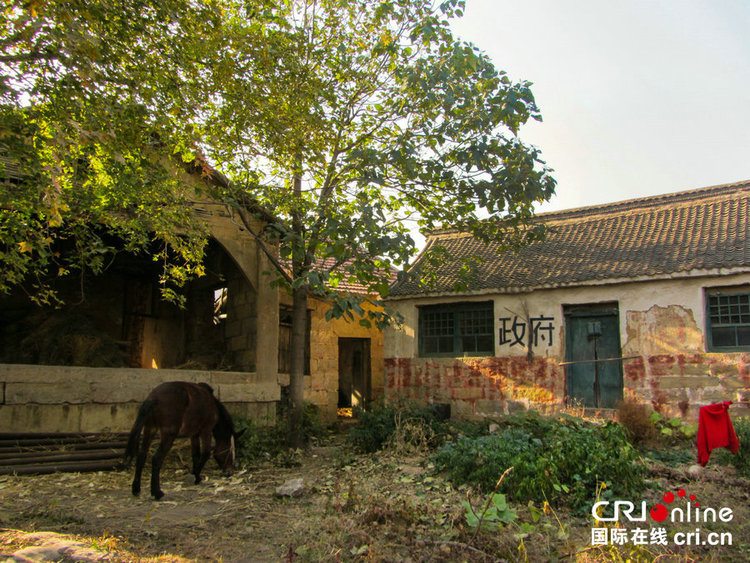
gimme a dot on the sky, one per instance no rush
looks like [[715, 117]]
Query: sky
[[638, 97]]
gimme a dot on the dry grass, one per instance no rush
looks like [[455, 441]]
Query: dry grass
[[635, 417], [388, 506]]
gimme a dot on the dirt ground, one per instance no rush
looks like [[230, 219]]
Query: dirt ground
[[383, 507]]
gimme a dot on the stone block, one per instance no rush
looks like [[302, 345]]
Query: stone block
[[463, 409], [733, 383], [690, 382], [717, 396], [466, 393], [52, 392], [40, 418], [694, 369], [232, 328], [292, 488], [516, 406], [237, 342], [263, 414], [724, 368], [239, 392], [489, 408], [108, 418]]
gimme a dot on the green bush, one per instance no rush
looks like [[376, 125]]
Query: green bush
[[741, 460], [379, 423], [375, 426], [561, 460], [271, 441]]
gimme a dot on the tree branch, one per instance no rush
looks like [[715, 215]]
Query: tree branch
[[264, 247], [26, 57]]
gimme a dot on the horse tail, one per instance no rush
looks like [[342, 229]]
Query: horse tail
[[135, 433]]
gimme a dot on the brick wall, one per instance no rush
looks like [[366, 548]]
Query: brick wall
[[679, 384], [476, 387]]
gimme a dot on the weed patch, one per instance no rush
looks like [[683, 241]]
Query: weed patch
[[405, 426], [271, 442], [741, 460], [560, 460]]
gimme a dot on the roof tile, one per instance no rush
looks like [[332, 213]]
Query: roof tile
[[703, 229]]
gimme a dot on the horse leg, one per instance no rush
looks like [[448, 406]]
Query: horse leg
[[140, 459], [201, 452], [156, 463]]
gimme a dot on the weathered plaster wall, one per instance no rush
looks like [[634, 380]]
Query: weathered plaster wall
[[78, 399], [662, 326]]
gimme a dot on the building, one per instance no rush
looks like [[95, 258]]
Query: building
[[647, 299], [343, 357], [87, 366]]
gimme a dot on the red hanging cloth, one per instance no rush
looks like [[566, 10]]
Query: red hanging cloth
[[715, 430]]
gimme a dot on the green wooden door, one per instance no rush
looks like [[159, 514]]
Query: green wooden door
[[592, 354]]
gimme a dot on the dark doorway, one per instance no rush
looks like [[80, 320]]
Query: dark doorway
[[354, 372], [593, 363]]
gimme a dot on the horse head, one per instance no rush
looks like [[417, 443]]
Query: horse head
[[225, 451]]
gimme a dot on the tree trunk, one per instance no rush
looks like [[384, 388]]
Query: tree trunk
[[297, 375]]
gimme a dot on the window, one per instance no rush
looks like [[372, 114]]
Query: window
[[728, 319], [462, 329], [220, 305]]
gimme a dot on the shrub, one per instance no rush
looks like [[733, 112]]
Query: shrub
[[560, 460], [404, 423], [636, 418], [271, 441], [741, 460], [375, 426]]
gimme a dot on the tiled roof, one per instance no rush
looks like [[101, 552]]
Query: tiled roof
[[653, 237], [348, 284]]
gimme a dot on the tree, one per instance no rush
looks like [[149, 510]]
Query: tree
[[95, 97], [344, 120], [340, 123]]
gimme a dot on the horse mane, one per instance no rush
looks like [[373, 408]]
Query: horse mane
[[225, 419]]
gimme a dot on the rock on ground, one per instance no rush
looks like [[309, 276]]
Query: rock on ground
[[291, 488]]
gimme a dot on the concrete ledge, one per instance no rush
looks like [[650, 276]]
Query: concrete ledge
[[78, 399], [24, 384]]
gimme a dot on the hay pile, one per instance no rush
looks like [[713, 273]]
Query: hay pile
[[69, 339]]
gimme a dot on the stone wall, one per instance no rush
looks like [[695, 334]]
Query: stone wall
[[474, 387], [78, 399], [679, 384], [322, 384]]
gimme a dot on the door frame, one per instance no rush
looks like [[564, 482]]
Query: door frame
[[592, 311], [363, 387]]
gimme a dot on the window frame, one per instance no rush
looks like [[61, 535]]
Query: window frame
[[727, 292], [455, 310]]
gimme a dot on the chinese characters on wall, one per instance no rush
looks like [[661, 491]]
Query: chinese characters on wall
[[516, 330]]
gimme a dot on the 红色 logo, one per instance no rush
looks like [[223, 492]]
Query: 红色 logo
[[676, 508]]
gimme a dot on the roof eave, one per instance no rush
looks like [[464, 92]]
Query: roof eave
[[696, 273]]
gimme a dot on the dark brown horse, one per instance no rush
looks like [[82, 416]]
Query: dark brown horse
[[178, 409]]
